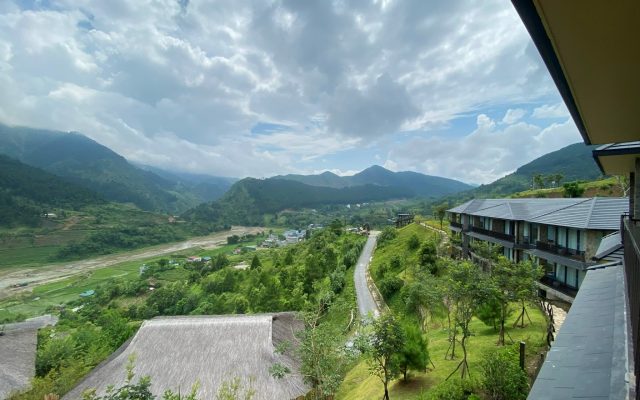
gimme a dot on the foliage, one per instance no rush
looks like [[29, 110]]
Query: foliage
[[454, 389], [414, 354], [503, 379], [573, 189], [388, 234], [465, 286], [385, 343], [107, 241], [439, 212], [323, 358], [390, 285], [428, 256], [235, 389], [414, 242], [255, 262]]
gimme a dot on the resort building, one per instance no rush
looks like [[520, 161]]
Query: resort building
[[591, 51], [562, 235]]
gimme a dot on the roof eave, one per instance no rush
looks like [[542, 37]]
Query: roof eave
[[532, 21]]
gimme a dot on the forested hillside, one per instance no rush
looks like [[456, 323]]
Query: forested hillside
[[85, 162], [249, 199], [571, 163], [28, 193]]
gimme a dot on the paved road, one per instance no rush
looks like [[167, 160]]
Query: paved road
[[366, 303]]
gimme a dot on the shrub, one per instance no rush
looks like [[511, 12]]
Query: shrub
[[388, 234], [503, 377], [413, 242], [390, 284], [454, 389]]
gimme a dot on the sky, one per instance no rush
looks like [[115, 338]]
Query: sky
[[265, 87]]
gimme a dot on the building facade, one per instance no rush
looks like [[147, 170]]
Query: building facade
[[561, 235]]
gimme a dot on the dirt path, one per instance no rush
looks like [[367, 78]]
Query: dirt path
[[55, 272]]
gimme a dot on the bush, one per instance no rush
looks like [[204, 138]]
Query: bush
[[413, 242], [388, 234], [503, 377], [454, 389], [390, 284]]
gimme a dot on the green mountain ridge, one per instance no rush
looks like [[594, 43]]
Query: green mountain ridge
[[416, 184], [250, 199], [82, 161]]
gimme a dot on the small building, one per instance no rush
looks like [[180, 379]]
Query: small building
[[193, 259], [404, 220], [88, 293]]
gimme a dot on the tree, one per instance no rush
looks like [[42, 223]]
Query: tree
[[557, 178], [384, 344], [413, 243], [422, 297], [538, 181], [503, 287], [439, 212], [428, 255], [414, 354], [465, 284], [526, 274], [573, 189], [255, 262], [323, 360]]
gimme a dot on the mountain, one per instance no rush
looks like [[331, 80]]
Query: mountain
[[83, 161], [206, 187], [573, 162], [414, 183], [249, 199], [26, 193]]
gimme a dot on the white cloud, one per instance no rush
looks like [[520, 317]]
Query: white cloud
[[173, 78], [558, 110], [486, 154], [513, 115]]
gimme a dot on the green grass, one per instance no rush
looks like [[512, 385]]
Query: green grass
[[22, 257], [602, 188]]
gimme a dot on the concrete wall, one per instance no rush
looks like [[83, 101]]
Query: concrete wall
[[593, 239]]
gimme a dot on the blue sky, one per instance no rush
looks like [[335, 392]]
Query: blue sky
[[258, 88]]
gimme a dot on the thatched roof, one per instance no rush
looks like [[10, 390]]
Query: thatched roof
[[18, 353], [177, 352]]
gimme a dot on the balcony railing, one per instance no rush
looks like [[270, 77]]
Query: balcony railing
[[497, 235], [559, 286], [560, 250], [630, 230], [455, 224]]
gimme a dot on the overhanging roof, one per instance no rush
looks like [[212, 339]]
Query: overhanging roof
[[617, 158], [591, 50]]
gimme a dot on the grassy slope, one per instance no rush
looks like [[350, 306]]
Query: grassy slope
[[360, 385], [608, 187]]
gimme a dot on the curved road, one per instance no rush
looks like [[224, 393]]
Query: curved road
[[366, 303]]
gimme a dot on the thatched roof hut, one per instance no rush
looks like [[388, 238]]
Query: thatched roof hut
[[18, 353], [177, 352]]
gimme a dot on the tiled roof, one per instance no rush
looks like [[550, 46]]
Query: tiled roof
[[583, 213]]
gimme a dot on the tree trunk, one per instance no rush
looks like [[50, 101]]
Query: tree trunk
[[386, 391]]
